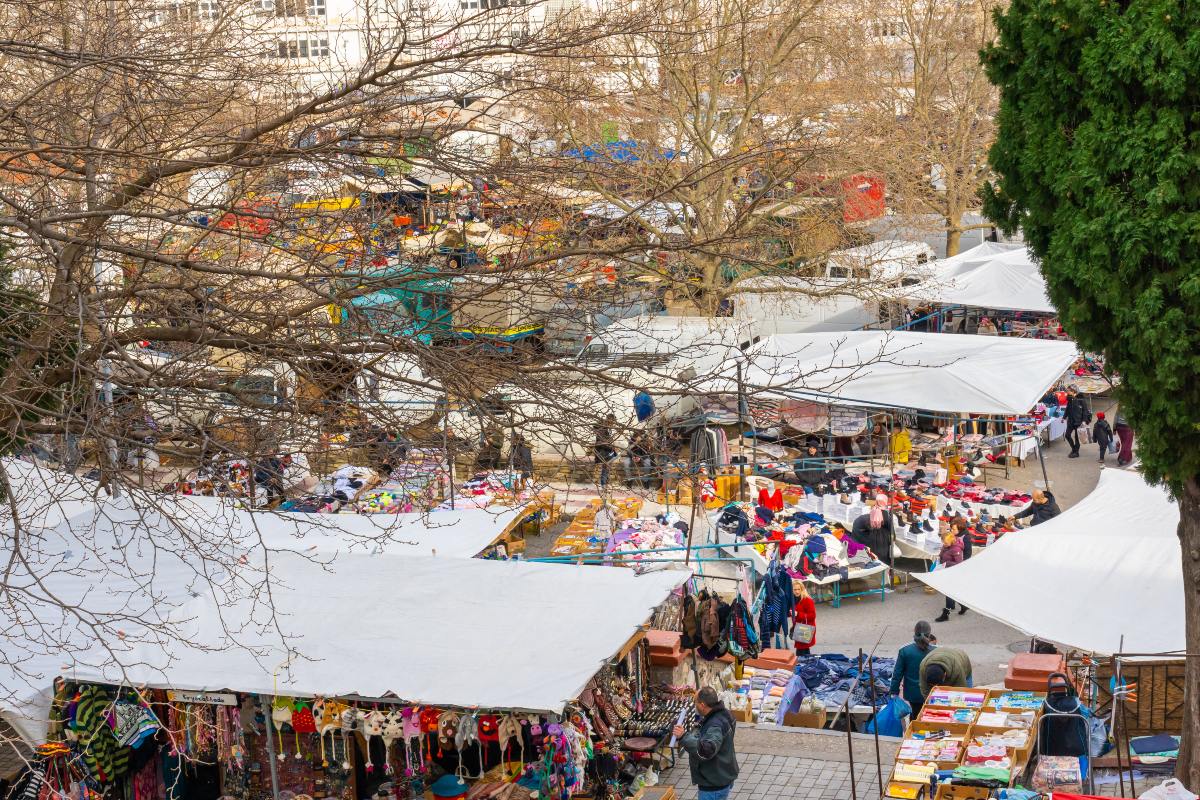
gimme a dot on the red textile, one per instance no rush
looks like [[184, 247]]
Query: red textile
[[806, 612], [771, 500]]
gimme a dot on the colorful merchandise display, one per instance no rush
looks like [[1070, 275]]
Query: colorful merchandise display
[[154, 744], [956, 743]]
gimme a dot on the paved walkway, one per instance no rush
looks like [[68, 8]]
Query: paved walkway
[[794, 765]]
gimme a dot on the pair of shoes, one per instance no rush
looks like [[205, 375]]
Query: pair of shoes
[[962, 610], [945, 617]]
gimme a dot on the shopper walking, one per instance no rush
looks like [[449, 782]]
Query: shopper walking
[[709, 746], [1125, 433], [804, 613], [1077, 415], [1041, 509], [604, 449], [951, 554], [906, 677], [520, 458], [1102, 434], [945, 666]]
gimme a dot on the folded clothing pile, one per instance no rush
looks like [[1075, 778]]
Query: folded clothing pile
[[832, 678]]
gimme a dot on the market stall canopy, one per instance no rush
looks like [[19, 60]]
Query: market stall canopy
[[700, 343], [1088, 577], [461, 533], [430, 631], [992, 275], [665, 217], [898, 369]]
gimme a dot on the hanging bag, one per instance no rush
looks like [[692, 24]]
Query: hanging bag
[[803, 633]]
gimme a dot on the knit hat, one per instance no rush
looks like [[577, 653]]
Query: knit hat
[[449, 786]]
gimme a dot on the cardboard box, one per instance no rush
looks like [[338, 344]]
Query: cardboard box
[[997, 694], [1030, 671], [798, 720], [918, 728], [948, 791], [743, 714], [666, 659], [655, 793], [899, 790], [664, 641]]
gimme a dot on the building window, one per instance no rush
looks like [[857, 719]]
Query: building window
[[295, 8], [891, 28], [304, 48], [476, 5], [264, 8]]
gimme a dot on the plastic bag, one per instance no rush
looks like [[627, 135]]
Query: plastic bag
[[890, 718], [1170, 789]]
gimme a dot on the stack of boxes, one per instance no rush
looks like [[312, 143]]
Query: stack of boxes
[[958, 727], [666, 648]]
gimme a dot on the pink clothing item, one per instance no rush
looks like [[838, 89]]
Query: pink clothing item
[[877, 511]]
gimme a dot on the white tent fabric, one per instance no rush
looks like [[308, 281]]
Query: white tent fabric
[[437, 631], [46, 497], [1085, 578], [461, 533], [999, 276], [898, 369]]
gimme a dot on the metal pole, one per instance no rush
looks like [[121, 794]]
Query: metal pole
[[446, 447], [741, 436], [271, 750], [850, 748], [1117, 696], [1042, 461], [874, 705], [687, 557]]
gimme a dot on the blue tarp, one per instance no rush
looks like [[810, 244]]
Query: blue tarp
[[622, 152]]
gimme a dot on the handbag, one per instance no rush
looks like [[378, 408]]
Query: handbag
[[803, 634]]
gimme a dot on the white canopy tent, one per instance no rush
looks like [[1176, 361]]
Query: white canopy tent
[[898, 369], [998, 276], [1085, 579], [437, 631], [46, 497], [463, 533]]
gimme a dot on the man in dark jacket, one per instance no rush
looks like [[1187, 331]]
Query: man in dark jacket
[[1077, 415], [710, 747], [906, 676], [1042, 508], [521, 457]]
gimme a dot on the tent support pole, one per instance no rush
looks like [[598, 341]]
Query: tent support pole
[[1042, 461], [875, 728], [741, 397], [850, 745], [271, 750]]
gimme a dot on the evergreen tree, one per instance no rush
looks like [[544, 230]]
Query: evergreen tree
[[1098, 157]]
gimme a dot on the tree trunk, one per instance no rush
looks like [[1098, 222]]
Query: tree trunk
[[953, 238], [1188, 767]]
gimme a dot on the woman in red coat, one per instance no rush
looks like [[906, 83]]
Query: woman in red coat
[[806, 614]]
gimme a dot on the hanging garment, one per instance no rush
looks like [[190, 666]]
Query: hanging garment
[[777, 602]]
